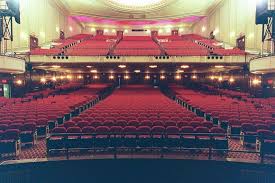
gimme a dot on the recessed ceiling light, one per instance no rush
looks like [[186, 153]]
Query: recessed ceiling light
[[153, 66], [93, 71], [89, 66], [56, 66], [184, 66], [137, 71], [122, 66], [180, 71], [219, 66], [137, 3]]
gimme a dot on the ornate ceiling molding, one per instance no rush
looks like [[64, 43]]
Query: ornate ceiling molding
[[135, 7]]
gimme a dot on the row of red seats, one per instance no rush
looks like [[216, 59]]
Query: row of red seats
[[124, 123]]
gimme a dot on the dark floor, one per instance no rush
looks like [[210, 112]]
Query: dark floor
[[38, 153]]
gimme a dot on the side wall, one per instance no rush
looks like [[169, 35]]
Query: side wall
[[231, 18], [44, 19]]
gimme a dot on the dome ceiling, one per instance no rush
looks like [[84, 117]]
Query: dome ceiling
[[128, 12]]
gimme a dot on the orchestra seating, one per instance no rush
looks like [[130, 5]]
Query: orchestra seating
[[22, 122], [133, 117], [237, 116]]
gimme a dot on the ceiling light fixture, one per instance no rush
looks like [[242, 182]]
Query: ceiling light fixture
[[122, 66], [153, 66], [184, 66]]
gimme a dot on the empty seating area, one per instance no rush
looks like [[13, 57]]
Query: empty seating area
[[136, 117], [137, 46], [237, 116], [23, 122], [102, 45], [177, 46], [97, 46], [60, 45]]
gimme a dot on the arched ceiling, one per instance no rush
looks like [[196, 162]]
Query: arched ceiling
[[128, 12]]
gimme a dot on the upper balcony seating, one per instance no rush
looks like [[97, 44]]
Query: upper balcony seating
[[137, 46], [185, 45], [99, 45], [177, 46]]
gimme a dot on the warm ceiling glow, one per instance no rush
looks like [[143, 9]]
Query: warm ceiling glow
[[122, 66], [137, 3], [153, 66]]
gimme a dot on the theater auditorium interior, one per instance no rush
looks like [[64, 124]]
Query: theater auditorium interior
[[137, 91]]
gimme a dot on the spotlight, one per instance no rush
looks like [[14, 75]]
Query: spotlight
[[19, 82], [147, 77], [162, 77], [96, 77], [178, 77], [111, 77], [212, 77], [194, 77], [231, 80], [54, 79], [69, 77], [43, 80], [256, 82]]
